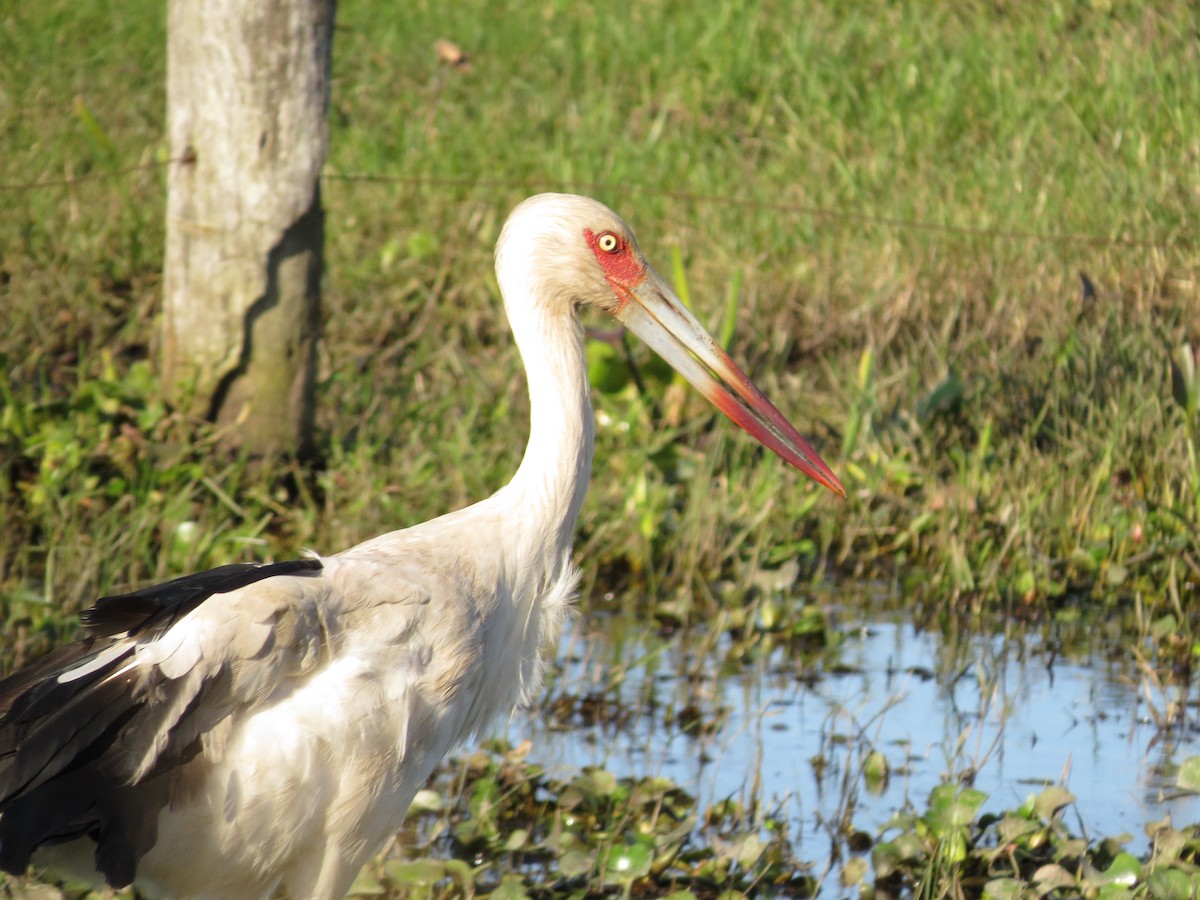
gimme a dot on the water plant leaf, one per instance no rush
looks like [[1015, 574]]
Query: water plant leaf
[[1172, 884], [1169, 842], [415, 873], [484, 798], [367, 884], [629, 862], [575, 864], [1189, 774], [427, 800], [886, 859], [951, 809], [1051, 800], [854, 870], [511, 887], [462, 873], [748, 849], [1003, 889], [875, 768], [596, 783], [1052, 876], [516, 840], [1116, 575], [1013, 827], [952, 847], [1126, 869]]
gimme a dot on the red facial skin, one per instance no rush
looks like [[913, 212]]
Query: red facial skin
[[622, 268]]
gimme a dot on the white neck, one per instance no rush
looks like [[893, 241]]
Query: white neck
[[547, 492]]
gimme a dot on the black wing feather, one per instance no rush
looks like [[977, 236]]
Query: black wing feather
[[69, 749], [160, 605]]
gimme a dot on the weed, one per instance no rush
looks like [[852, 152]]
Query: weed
[[850, 193]]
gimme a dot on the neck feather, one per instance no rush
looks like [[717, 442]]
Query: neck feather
[[547, 491]]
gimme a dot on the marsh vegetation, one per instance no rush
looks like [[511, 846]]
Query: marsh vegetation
[[956, 244]]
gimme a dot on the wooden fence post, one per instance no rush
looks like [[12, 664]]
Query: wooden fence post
[[247, 95]]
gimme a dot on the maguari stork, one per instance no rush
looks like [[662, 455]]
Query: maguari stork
[[257, 728]]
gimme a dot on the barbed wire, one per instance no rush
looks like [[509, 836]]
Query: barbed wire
[[72, 180], [783, 206], [780, 206]]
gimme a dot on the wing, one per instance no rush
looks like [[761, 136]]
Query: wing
[[93, 735]]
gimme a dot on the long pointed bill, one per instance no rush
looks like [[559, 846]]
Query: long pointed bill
[[653, 312]]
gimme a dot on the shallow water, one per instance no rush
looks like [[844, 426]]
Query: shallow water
[[1005, 714]]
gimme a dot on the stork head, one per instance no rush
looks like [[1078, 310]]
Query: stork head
[[546, 238], [560, 251]]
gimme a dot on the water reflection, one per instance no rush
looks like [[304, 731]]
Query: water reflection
[[1007, 715]]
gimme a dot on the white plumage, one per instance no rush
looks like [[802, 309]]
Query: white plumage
[[254, 728]]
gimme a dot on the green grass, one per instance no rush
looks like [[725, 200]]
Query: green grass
[[864, 180]]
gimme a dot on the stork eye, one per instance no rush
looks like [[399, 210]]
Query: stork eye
[[608, 242]]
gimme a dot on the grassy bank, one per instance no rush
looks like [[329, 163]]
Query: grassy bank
[[957, 245]]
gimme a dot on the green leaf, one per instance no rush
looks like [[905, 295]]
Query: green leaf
[[679, 277], [972, 799], [422, 244], [1013, 827], [518, 839], [854, 870], [1172, 884], [608, 370], [952, 846], [462, 872], [575, 864], [1116, 575], [101, 143], [1189, 774], [426, 801], [484, 798], [748, 849], [415, 873], [1051, 800], [1003, 889], [942, 400], [596, 783], [875, 767], [511, 887], [1185, 386], [1053, 877], [951, 809], [628, 862], [729, 320], [858, 416], [1126, 869], [366, 884], [887, 859]]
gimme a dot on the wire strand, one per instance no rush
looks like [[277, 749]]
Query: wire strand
[[72, 180], [789, 208], [785, 207]]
